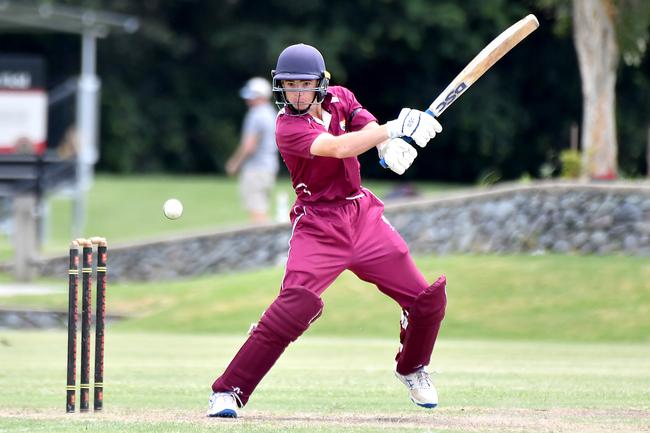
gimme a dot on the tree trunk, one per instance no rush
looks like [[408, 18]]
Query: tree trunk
[[595, 40]]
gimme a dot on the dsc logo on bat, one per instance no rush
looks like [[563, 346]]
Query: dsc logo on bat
[[455, 93]]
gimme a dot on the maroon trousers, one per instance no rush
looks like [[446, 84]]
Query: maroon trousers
[[326, 241]]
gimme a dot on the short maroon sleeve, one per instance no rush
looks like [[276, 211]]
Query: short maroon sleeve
[[295, 134]]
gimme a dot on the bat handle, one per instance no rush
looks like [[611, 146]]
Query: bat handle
[[409, 140]]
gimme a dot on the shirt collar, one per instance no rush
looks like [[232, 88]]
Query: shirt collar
[[327, 119], [328, 100]]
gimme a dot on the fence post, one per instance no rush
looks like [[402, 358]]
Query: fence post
[[25, 237]]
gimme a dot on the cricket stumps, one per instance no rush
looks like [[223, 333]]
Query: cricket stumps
[[86, 246]]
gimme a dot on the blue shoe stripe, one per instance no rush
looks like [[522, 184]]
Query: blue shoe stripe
[[226, 413]]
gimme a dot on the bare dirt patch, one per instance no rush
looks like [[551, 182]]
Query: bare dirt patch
[[464, 419]]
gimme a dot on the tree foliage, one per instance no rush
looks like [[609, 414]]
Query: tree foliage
[[632, 19], [170, 100]]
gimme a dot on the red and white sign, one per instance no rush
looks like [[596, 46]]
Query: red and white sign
[[23, 121], [23, 106]]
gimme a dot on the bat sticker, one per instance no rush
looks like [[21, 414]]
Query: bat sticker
[[451, 97]]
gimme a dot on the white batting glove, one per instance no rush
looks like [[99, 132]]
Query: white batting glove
[[397, 155], [421, 127]]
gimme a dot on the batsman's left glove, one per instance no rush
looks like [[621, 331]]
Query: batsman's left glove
[[397, 155]]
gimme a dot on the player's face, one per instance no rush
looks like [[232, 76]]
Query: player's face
[[299, 93]]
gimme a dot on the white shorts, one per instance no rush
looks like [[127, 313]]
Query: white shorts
[[255, 187]]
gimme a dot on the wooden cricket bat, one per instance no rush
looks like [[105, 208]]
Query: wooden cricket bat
[[482, 62], [479, 65]]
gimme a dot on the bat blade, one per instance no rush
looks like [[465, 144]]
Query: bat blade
[[483, 61]]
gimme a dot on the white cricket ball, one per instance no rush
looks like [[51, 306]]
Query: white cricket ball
[[173, 209]]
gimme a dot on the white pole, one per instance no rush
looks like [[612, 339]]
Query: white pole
[[87, 124]]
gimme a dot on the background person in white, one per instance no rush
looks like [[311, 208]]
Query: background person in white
[[256, 158]]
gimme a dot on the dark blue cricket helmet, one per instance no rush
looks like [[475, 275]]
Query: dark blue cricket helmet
[[300, 62]]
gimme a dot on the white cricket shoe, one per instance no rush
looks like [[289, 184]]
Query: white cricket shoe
[[223, 405], [421, 389]]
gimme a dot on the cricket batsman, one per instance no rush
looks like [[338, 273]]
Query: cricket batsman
[[337, 225]]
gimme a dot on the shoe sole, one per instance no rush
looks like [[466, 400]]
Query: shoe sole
[[425, 405], [226, 413]]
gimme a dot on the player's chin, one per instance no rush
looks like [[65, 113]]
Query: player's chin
[[300, 107]]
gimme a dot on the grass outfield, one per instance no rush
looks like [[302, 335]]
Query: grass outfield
[[160, 382], [129, 208], [550, 297], [529, 344]]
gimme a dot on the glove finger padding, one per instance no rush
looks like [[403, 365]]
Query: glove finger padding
[[429, 126], [428, 129], [417, 125], [397, 168], [398, 155]]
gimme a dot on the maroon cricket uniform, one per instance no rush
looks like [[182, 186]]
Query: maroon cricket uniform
[[337, 225], [334, 217]]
